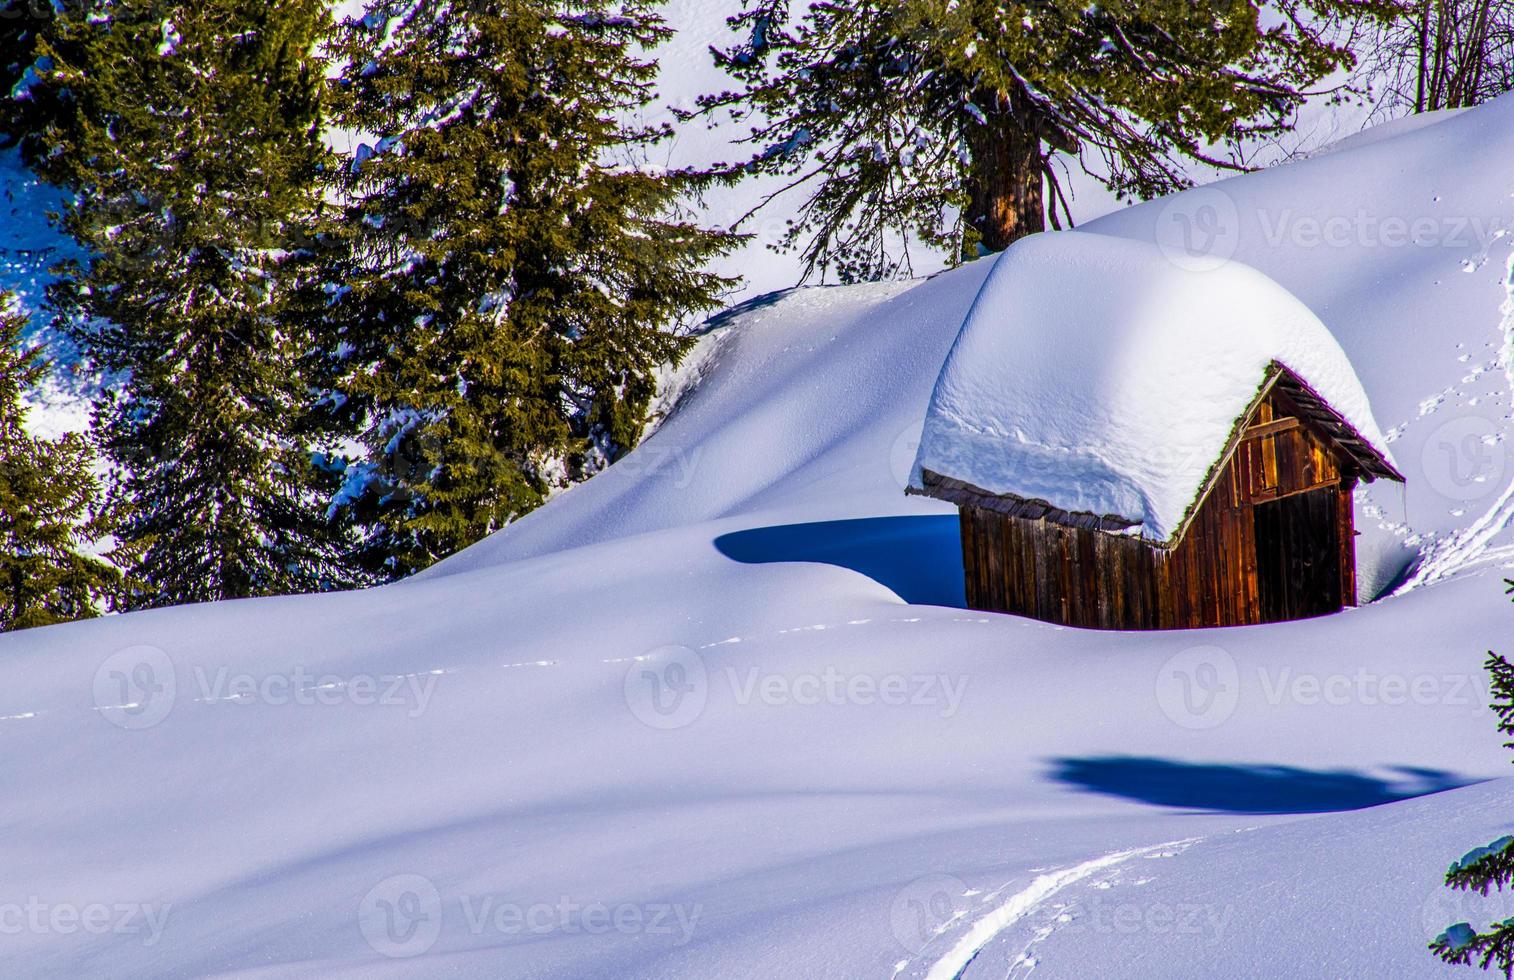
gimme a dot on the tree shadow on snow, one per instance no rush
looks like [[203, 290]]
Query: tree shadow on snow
[[918, 558], [726, 317], [1246, 788]]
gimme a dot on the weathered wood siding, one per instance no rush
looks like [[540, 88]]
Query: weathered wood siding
[[1291, 460], [1273, 539], [1023, 566]]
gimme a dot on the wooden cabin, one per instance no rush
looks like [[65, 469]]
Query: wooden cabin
[[1270, 536], [1135, 445]]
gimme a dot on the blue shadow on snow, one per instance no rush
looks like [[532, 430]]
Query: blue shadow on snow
[[1245, 788], [918, 558]]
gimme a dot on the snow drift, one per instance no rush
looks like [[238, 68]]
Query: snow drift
[[714, 712]]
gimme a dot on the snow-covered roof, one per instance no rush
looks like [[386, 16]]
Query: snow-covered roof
[[1098, 378]]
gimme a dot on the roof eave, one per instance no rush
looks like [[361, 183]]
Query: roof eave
[[1370, 462], [963, 494]]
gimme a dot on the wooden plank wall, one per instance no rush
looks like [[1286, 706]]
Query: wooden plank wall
[[1060, 574], [1346, 521], [1216, 576], [1211, 578], [1292, 461]]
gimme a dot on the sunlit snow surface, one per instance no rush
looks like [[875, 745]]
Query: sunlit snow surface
[[718, 711]]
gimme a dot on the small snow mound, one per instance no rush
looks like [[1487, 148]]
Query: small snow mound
[[1094, 374]]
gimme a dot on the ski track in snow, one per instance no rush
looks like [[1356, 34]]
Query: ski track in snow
[[954, 962]]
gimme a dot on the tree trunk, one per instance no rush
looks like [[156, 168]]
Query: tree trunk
[[1420, 93], [1007, 195]]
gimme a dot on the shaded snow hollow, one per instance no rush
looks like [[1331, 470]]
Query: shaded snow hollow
[[1099, 376]]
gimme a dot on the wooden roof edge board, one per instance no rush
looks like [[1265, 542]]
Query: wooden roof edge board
[[1372, 462], [961, 493]]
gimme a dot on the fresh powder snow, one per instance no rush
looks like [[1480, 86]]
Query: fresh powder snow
[[1105, 376], [719, 710]]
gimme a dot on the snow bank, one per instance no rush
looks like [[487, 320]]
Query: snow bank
[[525, 762], [1096, 375]]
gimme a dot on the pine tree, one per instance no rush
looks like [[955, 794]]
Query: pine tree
[[508, 272], [938, 121], [1486, 868], [191, 145], [47, 497], [22, 23]]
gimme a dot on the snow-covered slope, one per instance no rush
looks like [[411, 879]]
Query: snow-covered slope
[[717, 711]]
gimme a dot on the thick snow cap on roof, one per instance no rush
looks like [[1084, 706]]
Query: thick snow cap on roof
[[1095, 375]]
